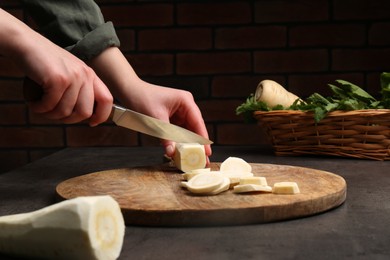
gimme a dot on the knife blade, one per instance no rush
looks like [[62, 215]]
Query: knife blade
[[132, 120], [151, 126]]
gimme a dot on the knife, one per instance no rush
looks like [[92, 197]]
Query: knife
[[151, 126], [132, 120]]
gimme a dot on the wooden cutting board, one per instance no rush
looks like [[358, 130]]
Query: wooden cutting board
[[153, 196]]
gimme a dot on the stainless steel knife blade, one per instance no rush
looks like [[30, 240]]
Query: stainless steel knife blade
[[151, 126]]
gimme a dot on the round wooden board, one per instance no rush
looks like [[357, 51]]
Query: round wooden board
[[152, 196]]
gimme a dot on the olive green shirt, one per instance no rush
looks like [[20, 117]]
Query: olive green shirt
[[77, 25]]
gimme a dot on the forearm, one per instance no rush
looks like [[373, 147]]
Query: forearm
[[117, 73], [12, 35]]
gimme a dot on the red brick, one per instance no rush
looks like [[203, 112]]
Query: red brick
[[127, 39], [241, 134], [6, 4], [78, 136], [219, 110], [31, 137], [361, 10], [378, 34], [9, 68], [291, 61], [198, 86], [11, 90], [39, 119], [12, 114], [237, 12], [361, 59], [306, 84], [151, 64], [373, 85], [291, 11], [139, 14], [11, 159], [238, 86], [251, 37], [211, 63], [175, 39], [328, 35]]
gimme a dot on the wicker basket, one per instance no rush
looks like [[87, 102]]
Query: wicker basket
[[360, 133]]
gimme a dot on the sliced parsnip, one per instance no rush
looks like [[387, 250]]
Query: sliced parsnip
[[236, 176], [243, 188], [253, 180], [286, 187], [205, 182], [273, 94], [235, 164], [223, 187], [189, 156], [80, 228], [188, 175]]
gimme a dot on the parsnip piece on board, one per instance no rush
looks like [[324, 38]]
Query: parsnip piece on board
[[189, 156], [286, 188]]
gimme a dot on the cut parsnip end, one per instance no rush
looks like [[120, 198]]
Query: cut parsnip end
[[243, 188], [235, 164], [253, 180], [205, 182], [286, 188], [189, 156], [80, 228], [273, 94]]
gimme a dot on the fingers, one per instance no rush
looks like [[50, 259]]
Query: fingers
[[84, 97], [103, 103]]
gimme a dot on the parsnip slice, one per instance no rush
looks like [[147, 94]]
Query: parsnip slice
[[236, 176], [80, 228], [223, 187], [205, 182], [235, 164], [188, 175], [286, 187], [243, 188], [253, 180], [189, 156]]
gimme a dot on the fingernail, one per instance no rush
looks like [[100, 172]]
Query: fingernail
[[170, 150]]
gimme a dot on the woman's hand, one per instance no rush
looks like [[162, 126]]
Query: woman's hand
[[72, 92], [168, 104]]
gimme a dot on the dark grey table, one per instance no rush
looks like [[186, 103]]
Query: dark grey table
[[359, 229]]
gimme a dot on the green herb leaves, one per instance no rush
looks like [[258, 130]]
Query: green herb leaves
[[346, 96]]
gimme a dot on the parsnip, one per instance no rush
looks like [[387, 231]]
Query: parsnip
[[273, 94], [223, 187], [286, 187], [235, 164], [235, 177], [253, 180], [80, 228], [188, 175], [189, 156], [205, 182], [242, 188]]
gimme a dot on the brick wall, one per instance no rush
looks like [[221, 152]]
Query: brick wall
[[218, 50]]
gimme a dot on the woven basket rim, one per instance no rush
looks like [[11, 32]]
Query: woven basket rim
[[362, 112]]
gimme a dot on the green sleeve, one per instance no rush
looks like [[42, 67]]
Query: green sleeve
[[77, 25]]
